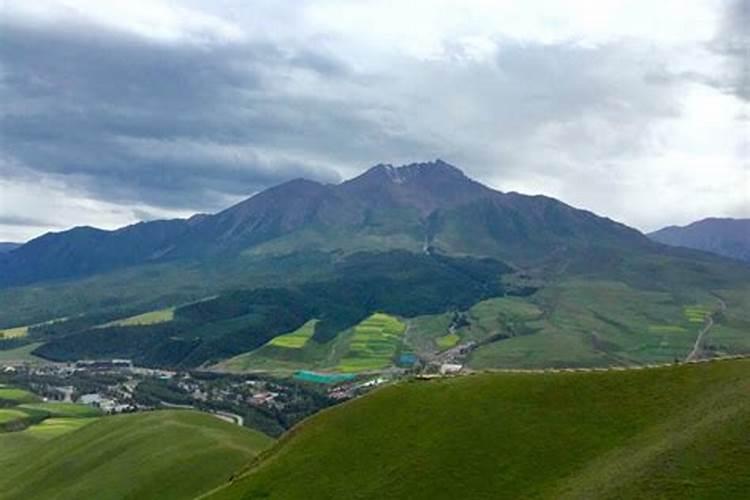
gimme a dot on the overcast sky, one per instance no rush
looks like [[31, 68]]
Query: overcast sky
[[114, 112]]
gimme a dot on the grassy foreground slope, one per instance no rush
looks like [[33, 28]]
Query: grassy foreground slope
[[163, 454], [674, 432]]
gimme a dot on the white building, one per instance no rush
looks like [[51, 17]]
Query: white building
[[449, 368]]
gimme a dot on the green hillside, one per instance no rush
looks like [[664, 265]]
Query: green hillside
[[673, 432], [163, 454]]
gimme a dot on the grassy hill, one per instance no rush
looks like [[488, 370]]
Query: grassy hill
[[163, 454], [673, 432]]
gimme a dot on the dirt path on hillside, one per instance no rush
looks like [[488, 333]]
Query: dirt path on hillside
[[697, 347]]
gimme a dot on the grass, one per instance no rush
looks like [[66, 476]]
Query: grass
[[296, 339], [20, 354], [373, 344], [674, 432], [597, 323], [12, 415], [149, 318], [17, 396], [160, 454], [26, 425], [423, 331]]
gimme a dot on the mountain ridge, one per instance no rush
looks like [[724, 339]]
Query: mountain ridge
[[728, 237], [417, 207]]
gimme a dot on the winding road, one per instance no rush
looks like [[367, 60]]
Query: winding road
[[699, 340]]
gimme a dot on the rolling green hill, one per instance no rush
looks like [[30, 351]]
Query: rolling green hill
[[672, 432], [162, 454]]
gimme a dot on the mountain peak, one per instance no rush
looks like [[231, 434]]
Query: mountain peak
[[406, 173]]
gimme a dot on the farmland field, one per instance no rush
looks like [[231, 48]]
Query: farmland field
[[297, 339], [447, 341], [285, 354], [149, 318], [696, 314], [53, 427], [12, 333], [62, 409], [373, 344]]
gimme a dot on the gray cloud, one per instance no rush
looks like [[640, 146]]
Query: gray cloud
[[179, 125], [733, 42], [129, 119], [19, 220]]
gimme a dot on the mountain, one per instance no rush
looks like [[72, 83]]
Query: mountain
[[423, 206], [7, 247], [672, 432], [727, 237]]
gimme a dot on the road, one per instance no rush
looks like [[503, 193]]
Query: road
[[701, 335]]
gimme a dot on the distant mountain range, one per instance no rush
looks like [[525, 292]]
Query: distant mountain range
[[419, 207], [727, 237]]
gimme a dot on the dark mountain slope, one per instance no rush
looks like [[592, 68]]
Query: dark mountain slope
[[6, 247], [727, 237], [85, 250]]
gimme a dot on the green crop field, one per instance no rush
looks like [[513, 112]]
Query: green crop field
[[62, 409], [674, 433], [696, 314], [447, 341], [160, 454], [373, 344], [11, 333], [54, 427], [149, 318], [297, 339], [283, 355]]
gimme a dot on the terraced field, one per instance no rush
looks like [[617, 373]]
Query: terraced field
[[696, 314], [284, 355], [297, 339], [373, 344]]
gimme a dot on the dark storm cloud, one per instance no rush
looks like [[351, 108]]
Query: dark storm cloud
[[181, 125]]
